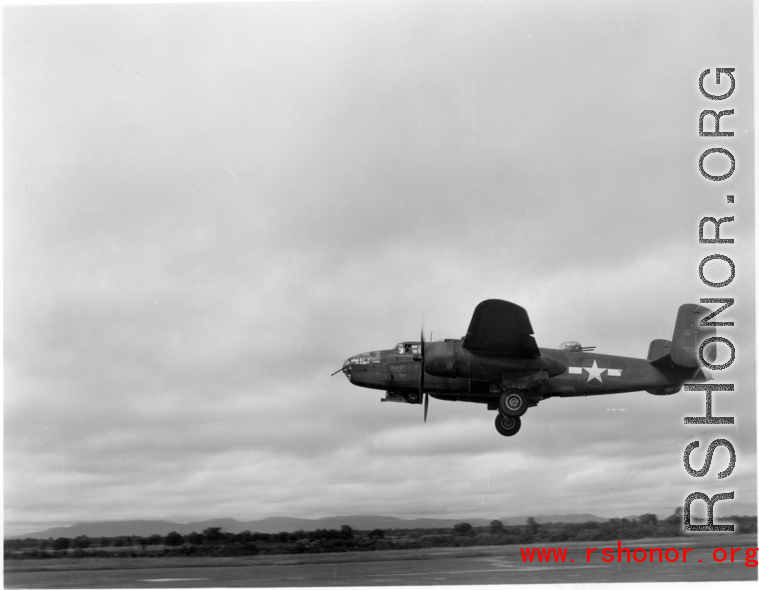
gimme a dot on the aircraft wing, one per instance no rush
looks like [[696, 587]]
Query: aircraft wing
[[503, 328]]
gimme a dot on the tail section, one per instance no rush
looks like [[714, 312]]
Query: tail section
[[679, 357], [688, 336], [682, 350], [658, 349]]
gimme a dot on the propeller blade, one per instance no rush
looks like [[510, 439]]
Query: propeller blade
[[426, 405], [421, 377]]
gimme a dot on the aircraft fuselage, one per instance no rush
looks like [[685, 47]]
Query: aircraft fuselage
[[585, 373]]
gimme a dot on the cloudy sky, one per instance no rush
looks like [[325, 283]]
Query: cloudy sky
[[209, 207]]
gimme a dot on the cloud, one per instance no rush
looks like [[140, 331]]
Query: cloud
[[170, 332]]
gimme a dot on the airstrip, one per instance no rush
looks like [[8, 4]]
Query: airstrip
[[450, 566]]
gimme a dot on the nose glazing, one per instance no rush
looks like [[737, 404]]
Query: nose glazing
[[347, 368]]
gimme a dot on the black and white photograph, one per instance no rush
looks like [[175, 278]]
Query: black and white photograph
[[379, 293]]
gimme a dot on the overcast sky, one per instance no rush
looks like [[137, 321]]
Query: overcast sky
[[209, 207]]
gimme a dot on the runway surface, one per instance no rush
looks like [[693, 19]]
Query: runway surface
[[456, 566]]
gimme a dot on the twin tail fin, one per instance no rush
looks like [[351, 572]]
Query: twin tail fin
[[682, 350]]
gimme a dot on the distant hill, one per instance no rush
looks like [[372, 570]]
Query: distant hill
[[278, 524], [544, 519]]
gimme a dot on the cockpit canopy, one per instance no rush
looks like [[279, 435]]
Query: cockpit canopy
[[409, 347], [571, 346], [364, 358]]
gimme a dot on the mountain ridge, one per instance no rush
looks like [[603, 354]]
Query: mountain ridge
[[278, 524]]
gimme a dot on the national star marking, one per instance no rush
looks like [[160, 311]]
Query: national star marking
[[594, 372]]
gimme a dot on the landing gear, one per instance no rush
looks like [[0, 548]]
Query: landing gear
[[512, 403], [507, 425]]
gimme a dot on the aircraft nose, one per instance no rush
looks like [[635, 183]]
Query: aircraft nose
[[347, 368]]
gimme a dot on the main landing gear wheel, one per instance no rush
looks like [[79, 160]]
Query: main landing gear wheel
[[507, 425], [512, 403]]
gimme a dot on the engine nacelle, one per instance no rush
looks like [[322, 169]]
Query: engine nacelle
[[402, 398]]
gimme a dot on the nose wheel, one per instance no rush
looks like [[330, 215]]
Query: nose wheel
[[507, 425]]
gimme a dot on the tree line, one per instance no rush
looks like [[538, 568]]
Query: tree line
[[214, 542]]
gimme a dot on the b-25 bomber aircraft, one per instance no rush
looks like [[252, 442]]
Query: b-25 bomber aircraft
[[498, 363]]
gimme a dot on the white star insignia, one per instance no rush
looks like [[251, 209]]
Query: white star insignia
[[594, 372]]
